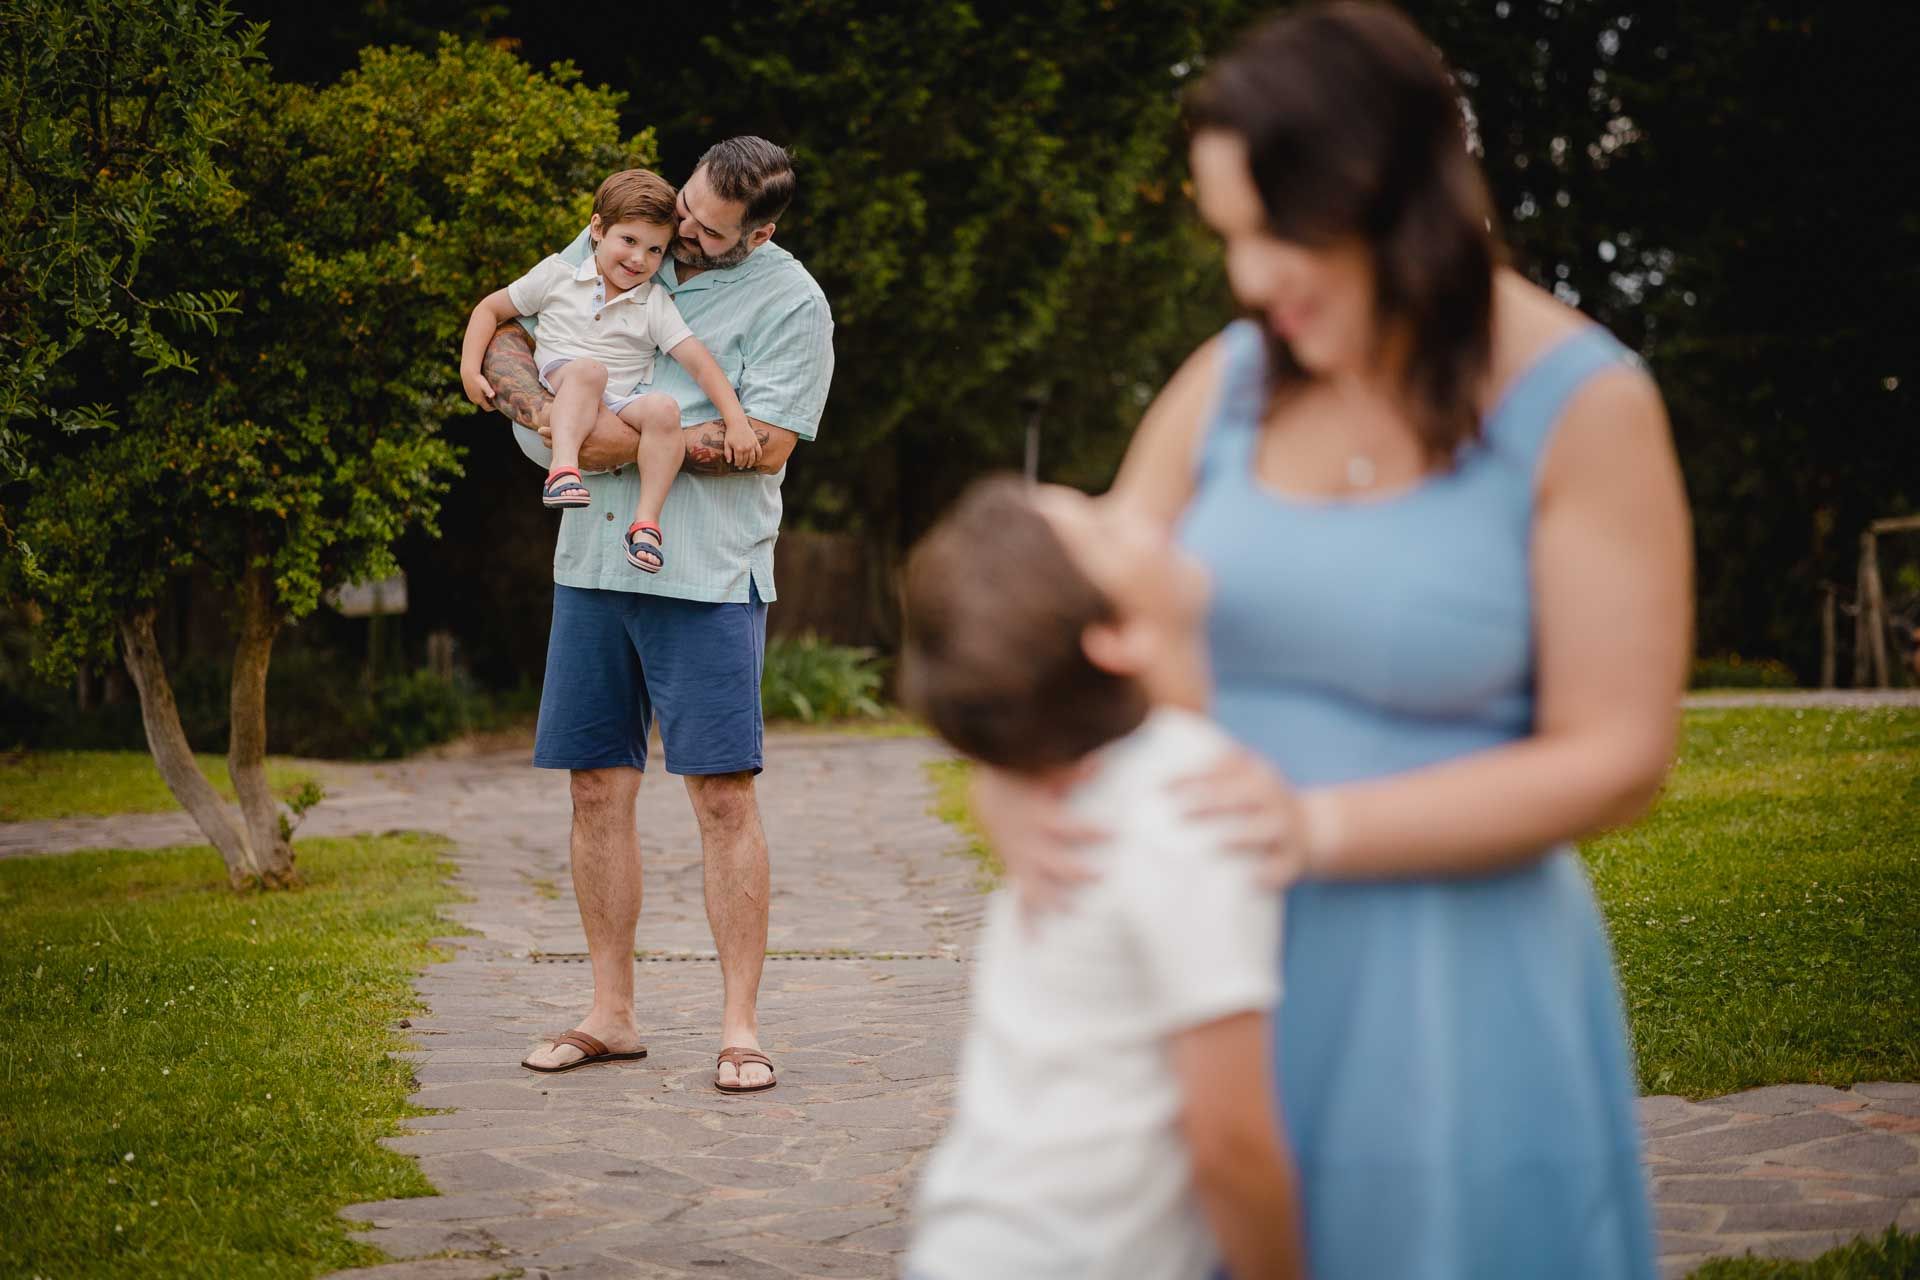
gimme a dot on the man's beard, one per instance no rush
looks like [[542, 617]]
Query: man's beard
[[689, 256]]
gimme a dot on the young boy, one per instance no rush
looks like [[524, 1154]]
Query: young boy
[[600, 325], [1115, 1093]]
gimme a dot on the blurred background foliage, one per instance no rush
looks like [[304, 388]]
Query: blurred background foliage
[[993, 197]]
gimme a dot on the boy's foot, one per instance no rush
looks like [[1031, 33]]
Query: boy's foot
[[560, 491], [644, 553]]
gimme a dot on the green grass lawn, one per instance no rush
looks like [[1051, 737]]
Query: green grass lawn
[[192, 1080], [1766, 915], [1892, 1256], [78, 784], [950, 779]]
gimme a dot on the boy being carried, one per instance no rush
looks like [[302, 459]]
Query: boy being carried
[[1114, 1093], [600, 325]]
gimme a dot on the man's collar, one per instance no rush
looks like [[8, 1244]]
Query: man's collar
[[718, 275]]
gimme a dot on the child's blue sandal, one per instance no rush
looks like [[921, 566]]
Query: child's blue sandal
[[560, 492], [654, 559]]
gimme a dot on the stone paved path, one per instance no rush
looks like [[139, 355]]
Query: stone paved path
[[642, 1170]]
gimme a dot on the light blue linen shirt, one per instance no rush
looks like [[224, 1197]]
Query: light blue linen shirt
[[768, 325]]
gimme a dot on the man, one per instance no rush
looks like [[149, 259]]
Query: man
[[688, 641]]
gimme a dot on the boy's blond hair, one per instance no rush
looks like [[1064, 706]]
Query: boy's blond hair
[[636, 195]]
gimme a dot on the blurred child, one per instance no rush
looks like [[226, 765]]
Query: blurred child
[[1115, 1096]]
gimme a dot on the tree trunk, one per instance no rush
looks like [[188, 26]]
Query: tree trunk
[[1829, 635], [247, 726], [168, 742], [1873, 602]]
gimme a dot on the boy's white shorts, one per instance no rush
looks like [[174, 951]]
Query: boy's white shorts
[[614, 403]]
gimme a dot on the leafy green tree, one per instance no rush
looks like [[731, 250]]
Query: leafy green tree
[[111, 112], [370, 216], [991, 197], [1714, 186]]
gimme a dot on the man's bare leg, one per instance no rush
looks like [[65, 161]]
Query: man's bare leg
[[733, 848], [606, 884]]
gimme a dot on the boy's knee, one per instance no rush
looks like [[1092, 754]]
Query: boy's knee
[[656, 412], [586, 367]]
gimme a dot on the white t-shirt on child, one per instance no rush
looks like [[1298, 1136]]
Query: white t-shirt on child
[[577, 320], [1065, 1158]]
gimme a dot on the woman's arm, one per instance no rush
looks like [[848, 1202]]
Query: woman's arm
[[1613, 594], [1156, 476]]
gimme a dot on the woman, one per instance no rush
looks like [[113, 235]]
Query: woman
[[1451, 559]]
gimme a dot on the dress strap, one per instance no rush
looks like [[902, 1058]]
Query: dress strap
[[1238, 401], [1523, 421]]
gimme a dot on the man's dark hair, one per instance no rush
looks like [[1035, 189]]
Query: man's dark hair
[[1353, 128], [995, 610], [754, 172]]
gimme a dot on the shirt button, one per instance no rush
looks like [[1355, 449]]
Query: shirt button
[[609, 515]]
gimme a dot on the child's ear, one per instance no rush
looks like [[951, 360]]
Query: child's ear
[[594, 229], [1119, 648]]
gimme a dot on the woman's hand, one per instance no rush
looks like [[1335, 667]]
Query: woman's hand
[[1260, 811], [1027, 822]]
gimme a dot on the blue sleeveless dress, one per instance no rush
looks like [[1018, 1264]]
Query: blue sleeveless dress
[[1452, 1055]]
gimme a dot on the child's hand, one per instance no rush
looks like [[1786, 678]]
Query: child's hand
[[479, 390], [743, 447]]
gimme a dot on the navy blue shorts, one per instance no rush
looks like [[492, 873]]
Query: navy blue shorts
[[615, 657]]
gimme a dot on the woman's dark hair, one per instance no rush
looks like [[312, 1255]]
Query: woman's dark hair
[[995, 610], [1353, 127]]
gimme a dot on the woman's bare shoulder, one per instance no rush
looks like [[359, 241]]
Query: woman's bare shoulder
[[1527, 322]]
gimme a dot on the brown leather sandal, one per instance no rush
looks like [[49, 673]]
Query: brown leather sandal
[[736, 1057], [594, 1049]]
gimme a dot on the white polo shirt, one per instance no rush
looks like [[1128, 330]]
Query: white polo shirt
[[1065, 1160], [577, 320]]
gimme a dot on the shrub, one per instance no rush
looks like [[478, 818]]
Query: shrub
[[810, 680], [416, 710], [1731, 671], [319, 702]]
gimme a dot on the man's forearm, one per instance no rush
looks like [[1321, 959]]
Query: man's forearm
[[508, 366], [612, 443], [516, 384], [707, 450]]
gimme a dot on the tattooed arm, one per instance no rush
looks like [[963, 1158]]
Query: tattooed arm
[[707, 449], [518, 394], [517, 391]]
